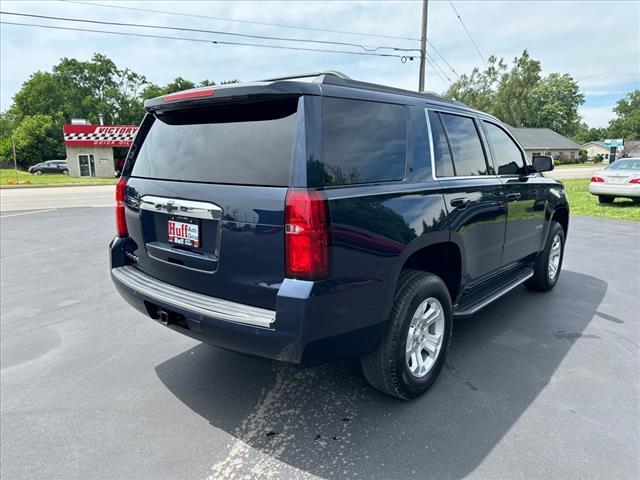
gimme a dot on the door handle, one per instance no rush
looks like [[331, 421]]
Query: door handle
[[460, 202], [512, 197]]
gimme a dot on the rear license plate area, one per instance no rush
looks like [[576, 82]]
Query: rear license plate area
[[184, 231]]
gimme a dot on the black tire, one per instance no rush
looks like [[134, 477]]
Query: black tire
[[605, 199], [65, 172], [38, 172], [541, 281], [386, 368]]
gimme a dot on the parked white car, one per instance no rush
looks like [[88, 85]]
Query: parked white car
[[619, 179]]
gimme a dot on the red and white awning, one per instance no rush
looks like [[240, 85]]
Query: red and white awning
[[99, 135]]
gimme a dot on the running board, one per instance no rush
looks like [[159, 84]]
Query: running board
[[475, 302]]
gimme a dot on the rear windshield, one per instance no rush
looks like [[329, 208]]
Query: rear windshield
[[625, 165], [248, 144]]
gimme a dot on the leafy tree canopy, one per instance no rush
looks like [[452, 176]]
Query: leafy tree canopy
[[519, 95], [627, 123], [75, 89]]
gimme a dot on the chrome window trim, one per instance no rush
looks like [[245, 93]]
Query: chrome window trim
[[431, 151], [475, 118], [194, 302], [185, 208]]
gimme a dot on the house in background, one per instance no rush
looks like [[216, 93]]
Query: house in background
[[596, 148], [631, 148], [544, 141]]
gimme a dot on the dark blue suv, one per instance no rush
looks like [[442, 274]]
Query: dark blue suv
[[314, 217]]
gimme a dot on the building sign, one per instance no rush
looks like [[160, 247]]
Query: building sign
[[613, 142], [99, 135]]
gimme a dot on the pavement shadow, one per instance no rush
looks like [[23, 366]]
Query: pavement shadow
[[327, 421]]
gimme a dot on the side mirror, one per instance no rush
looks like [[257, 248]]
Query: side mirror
[[542, 163]]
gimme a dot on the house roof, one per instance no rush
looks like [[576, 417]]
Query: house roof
[[593, 142], [543, 139]]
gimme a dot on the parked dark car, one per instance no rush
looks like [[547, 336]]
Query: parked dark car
[[50, 166], [314, 217]]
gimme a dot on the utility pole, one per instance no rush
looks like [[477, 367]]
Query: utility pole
[[423, 44]]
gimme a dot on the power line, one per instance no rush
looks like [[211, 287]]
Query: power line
[[437, 67], [202, 40], [216, 32], [279, 25], [252, 22], [468, 32], [443, 59], [444, 80]]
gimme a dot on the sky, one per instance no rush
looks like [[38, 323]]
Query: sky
[[597, 42]]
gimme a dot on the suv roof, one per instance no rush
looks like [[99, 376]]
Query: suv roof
[[300, 84]]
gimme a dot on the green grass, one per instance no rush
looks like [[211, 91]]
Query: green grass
[[582, 202], [585, 164], [8, 179]]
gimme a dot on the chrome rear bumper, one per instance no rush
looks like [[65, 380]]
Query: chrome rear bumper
[[191, 301]]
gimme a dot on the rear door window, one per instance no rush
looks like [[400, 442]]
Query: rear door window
[[441, 150], [507, 156], [363, 141], [468, 154], [248, 144]]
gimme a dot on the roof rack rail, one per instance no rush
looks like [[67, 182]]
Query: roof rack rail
[[308, 75], [332, 77]]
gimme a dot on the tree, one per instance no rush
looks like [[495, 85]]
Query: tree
[[36, 138], [478, 89], [585, 134], [553, 103], [520, 97], [76, 89], [627, 123], [513, 96]]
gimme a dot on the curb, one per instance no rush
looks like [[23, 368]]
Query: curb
[[54, 185]]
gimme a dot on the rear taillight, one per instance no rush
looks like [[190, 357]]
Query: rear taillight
[[635, 180], [121, 222], [306, 234], [597, 180]]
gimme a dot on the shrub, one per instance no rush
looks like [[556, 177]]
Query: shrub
[[583, 156]]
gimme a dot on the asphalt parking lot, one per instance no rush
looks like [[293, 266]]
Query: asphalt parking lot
[[536, 385]]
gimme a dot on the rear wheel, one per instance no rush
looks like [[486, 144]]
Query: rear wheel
[[65, 172], [605, 199], [414, 348], [549, 262]]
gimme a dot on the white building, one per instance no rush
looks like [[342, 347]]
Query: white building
[[90, 148]]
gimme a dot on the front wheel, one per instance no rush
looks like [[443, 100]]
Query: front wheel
[[65, 172], [38, 172], [546, 270], [414, 347], [605, 199]]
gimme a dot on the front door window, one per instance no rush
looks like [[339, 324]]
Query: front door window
[[87, 166]]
